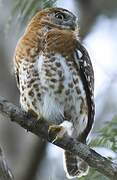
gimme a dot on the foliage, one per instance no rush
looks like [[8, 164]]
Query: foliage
[[23, 11], [28, 8], [106, 137]]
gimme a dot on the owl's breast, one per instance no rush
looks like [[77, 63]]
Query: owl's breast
[[51, 87], [63, 93]]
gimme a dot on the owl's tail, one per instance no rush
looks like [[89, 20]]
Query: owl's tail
[[74, 166]]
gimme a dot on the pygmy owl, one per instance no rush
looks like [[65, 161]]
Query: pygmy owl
[[55, 78]]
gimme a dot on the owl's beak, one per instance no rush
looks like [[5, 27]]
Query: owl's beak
[[73, 24]]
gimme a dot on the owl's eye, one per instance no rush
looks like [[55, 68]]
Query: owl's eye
[[60, 16]]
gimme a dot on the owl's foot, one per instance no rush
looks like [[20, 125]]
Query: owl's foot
[[32, 113], [56, 132]]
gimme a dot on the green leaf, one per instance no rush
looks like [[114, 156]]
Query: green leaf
[[107, 136]]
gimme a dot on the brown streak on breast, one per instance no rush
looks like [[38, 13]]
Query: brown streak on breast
[[60, 41], [28, 46]]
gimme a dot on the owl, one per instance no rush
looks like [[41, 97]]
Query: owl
[[55, 78]]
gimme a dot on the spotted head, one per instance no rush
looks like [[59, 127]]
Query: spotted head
[[55, 18], [48, 26]]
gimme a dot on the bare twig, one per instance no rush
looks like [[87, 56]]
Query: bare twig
[[41, 129], [5, 172]]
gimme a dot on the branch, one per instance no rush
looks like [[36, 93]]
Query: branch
[[41, 129], [5, 172]]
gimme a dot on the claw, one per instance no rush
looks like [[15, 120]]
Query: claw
[[57, 132]]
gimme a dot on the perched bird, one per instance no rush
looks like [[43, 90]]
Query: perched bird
[[55, 78]]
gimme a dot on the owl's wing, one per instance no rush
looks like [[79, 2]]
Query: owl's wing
[[87, 76], [16, 72]]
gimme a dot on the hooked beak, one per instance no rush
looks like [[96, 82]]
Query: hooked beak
[[73, 23]]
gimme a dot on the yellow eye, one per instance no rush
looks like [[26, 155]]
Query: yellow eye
[[59, 16]]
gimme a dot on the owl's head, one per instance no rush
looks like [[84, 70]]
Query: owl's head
[[56, 18]]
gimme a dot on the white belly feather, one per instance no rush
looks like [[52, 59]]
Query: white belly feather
[[52, 105], [53, 108]]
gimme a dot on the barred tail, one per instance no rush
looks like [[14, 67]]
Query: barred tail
[[74, 166]]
